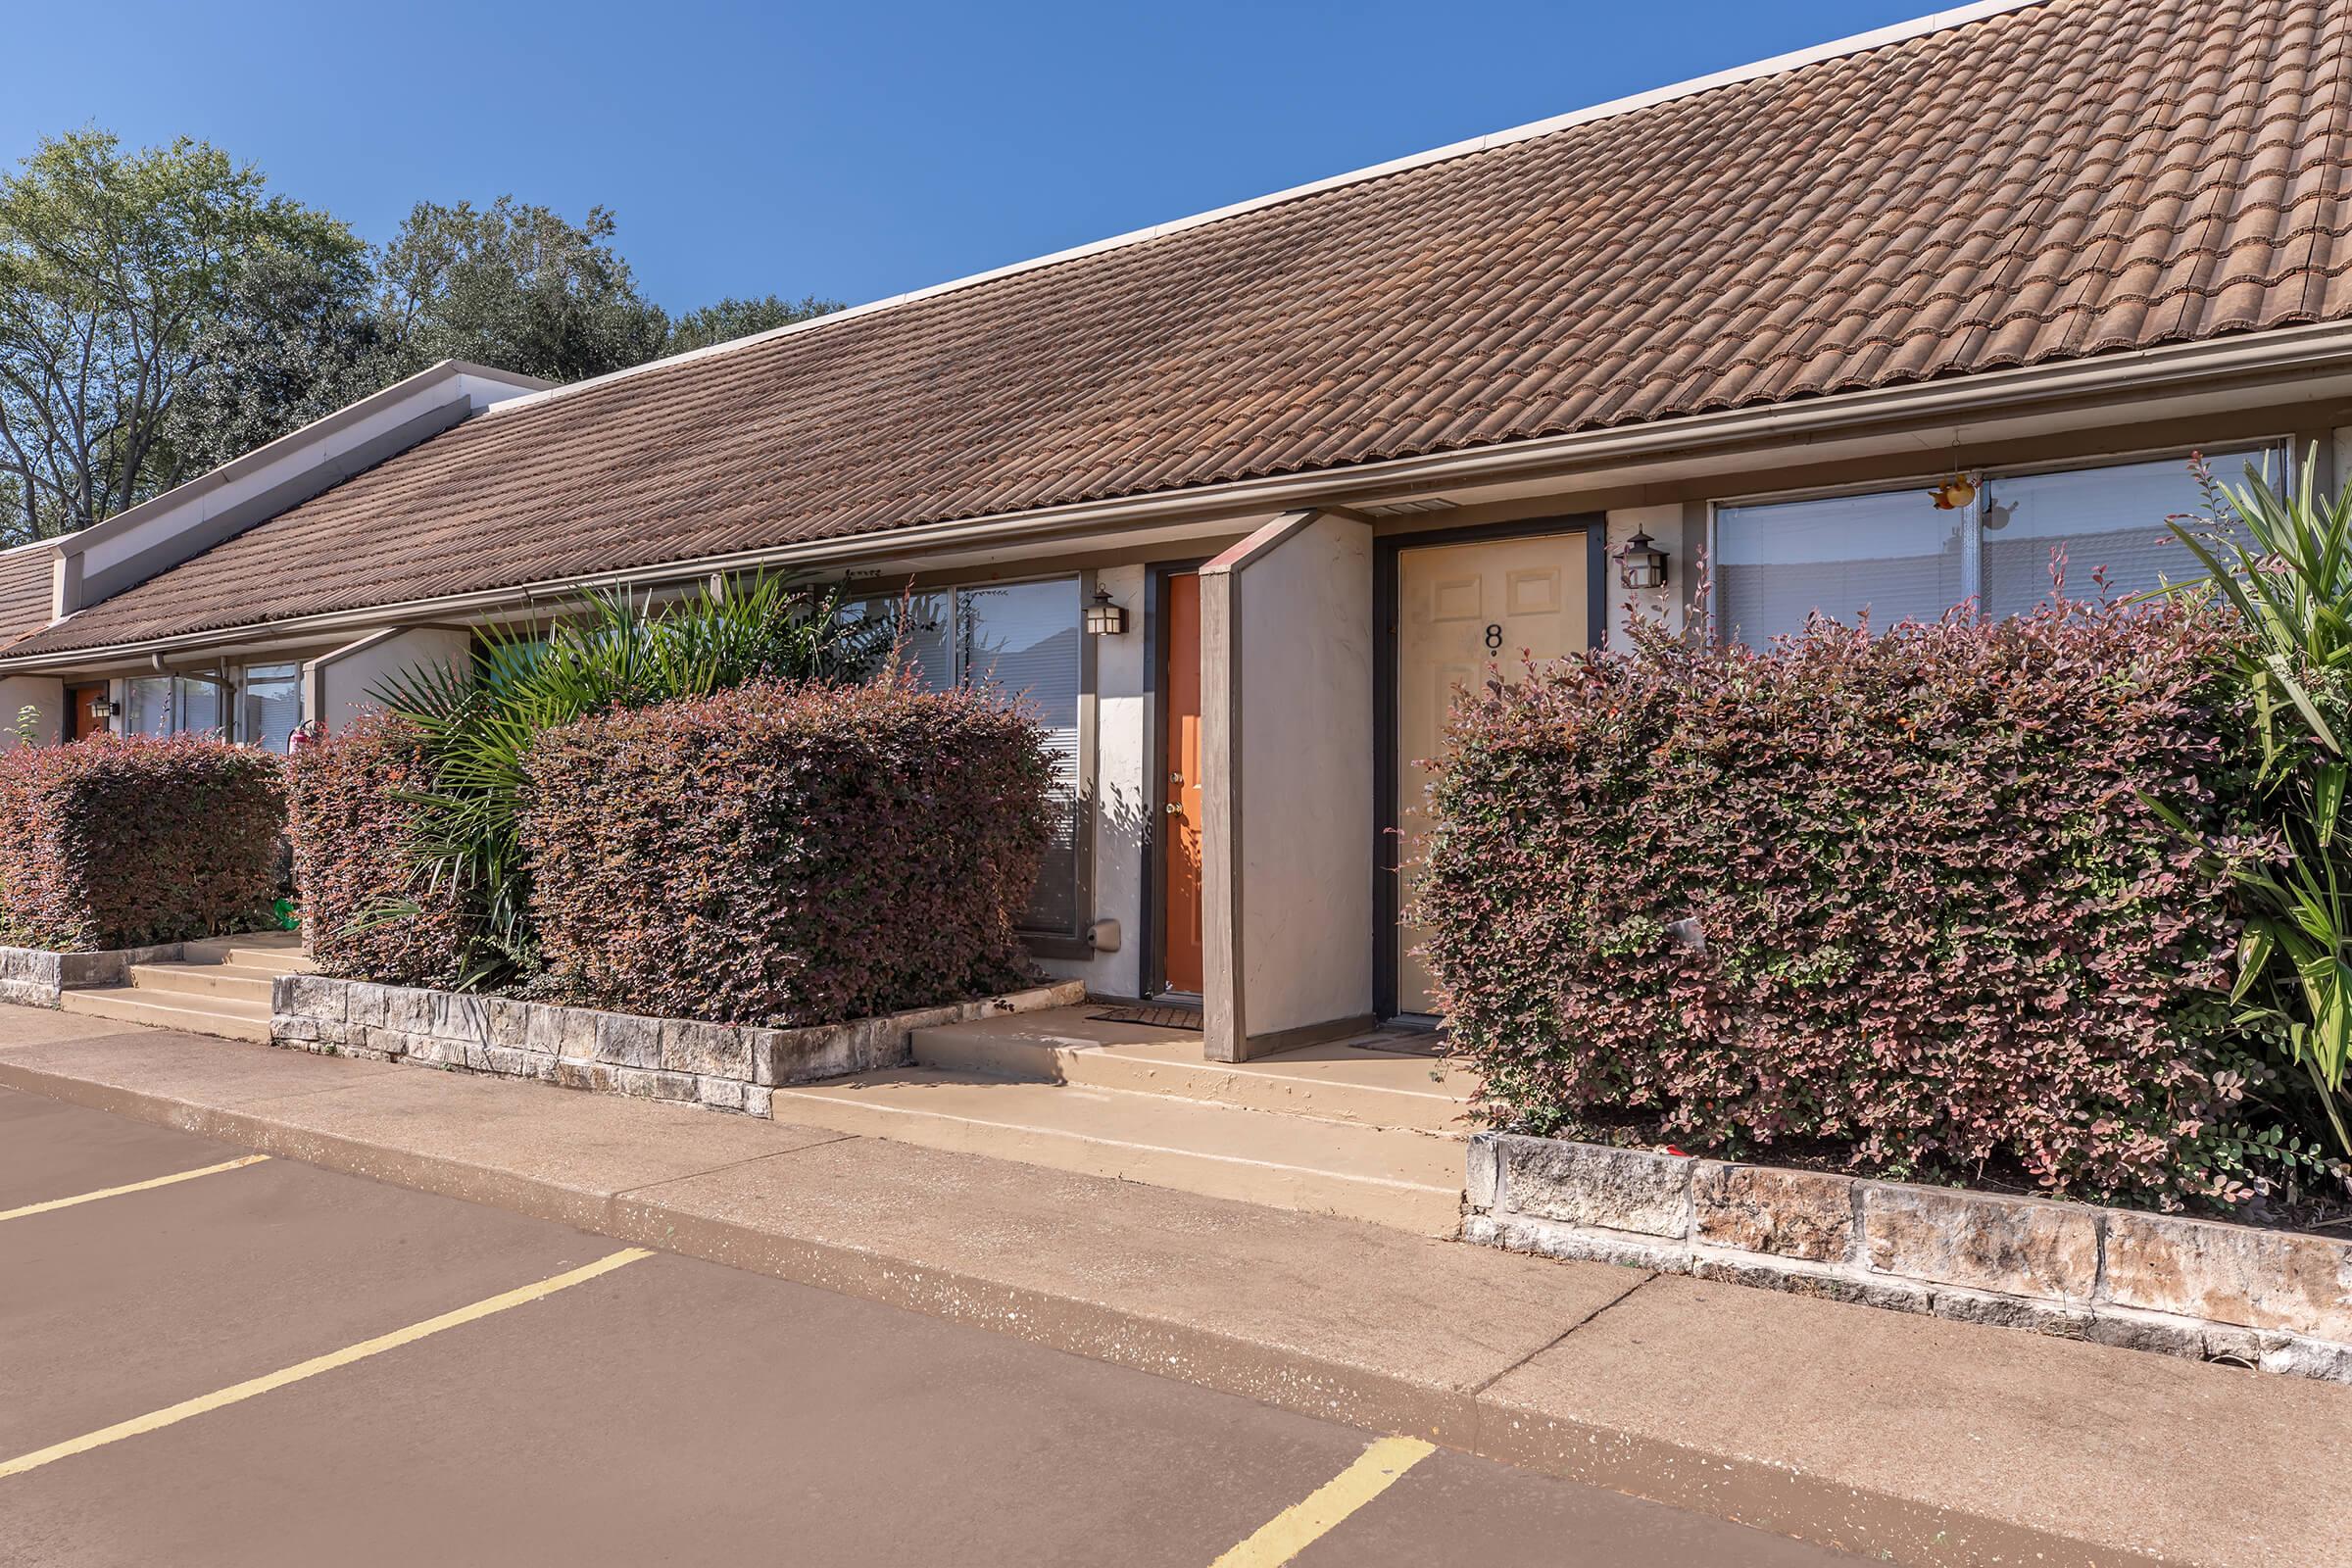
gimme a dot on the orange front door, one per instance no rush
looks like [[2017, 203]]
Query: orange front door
[[1181, 809], [85, 721]]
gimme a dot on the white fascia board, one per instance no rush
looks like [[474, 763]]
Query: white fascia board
[[1857, 43], [157, 534]]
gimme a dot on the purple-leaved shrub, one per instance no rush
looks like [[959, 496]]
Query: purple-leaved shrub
[[370, 910], [786, 854], [123, 841], [1943, 928]]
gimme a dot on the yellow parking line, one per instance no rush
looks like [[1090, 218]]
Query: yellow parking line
[[134, 1187], [174, 1414], [1306, 1521]]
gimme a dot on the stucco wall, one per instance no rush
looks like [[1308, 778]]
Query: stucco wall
[[338, 687], [1677, 529], [43, 693], [1302, 782], [1122, 801]]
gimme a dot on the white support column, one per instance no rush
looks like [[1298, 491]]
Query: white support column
[[1286, 731]]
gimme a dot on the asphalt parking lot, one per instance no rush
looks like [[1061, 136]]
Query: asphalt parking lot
[[208, 1357]]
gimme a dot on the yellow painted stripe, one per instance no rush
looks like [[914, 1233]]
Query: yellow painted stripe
[[1307, 1521], [174, 1414], [134, 1187]]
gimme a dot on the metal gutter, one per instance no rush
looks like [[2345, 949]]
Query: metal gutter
[[2276, 355]]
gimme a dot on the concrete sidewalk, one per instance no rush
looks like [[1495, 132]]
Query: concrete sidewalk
[[1918, 1440]]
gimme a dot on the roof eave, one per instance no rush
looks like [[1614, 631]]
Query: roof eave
[[2280, 354]]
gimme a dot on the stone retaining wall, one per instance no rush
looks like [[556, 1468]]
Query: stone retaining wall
[[2280, 1301], [721, 1066], [36, 977]]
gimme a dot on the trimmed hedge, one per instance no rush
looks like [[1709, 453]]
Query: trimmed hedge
[[367, 909], [130, 840], [786, 854], [1943, 930]]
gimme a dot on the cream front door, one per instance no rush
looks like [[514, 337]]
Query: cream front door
[[1461, 608]]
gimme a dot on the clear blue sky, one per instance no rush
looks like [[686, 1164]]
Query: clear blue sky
[[848, 150]]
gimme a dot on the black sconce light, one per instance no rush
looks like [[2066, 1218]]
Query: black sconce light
[[1641, 563], [1105, 618], [105, 708]]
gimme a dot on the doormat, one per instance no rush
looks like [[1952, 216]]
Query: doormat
[[1156, 1018]]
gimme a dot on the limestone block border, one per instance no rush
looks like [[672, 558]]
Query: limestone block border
[[36, 977], [720, 1066], [2280, 1301]]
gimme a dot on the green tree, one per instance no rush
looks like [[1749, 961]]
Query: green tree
[[111, 263], [516, 287], [731, 318], [296, 338]]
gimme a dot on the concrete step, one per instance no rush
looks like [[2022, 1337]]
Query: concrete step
[[229, 1017], [1371, 1086], [1403, 1179], [238, 980], [271, 952]]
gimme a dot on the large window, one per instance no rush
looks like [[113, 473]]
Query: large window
[[168, 705], [1892, 556], [269, 705], [1025, 640]]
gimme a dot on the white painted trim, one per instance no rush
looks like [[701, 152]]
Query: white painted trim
[[2273, 356], [317, 432], [1857, 43], [125, 550]]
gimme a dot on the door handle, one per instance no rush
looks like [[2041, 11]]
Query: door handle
[[1174, 810]]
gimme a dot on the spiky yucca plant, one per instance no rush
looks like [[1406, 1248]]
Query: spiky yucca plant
[[2287, 568]]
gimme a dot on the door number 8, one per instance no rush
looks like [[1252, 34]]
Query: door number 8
[[1494, 637]]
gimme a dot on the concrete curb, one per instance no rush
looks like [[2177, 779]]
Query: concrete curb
[[1722, 1478]]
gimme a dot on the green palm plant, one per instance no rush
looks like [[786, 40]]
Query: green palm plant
[[620, 651], [2287, 571]]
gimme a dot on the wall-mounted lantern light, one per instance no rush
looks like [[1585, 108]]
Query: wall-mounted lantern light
[[1105, 618], [104, 708], [1641, 563]]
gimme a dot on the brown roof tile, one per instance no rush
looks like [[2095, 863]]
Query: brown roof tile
[[25, 592], [2074, 177]]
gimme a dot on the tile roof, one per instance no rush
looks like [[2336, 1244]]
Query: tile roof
[[2071, 179], [25, 591]]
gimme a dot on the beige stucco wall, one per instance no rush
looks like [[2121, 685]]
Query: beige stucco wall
[[1677, 529], [1301, 781], [1122, 801], [45, 694], [338, 687]]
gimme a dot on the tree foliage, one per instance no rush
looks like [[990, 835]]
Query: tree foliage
[[514, 287], [731, 318], [113, 263], [161, 313], [293, 341]]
